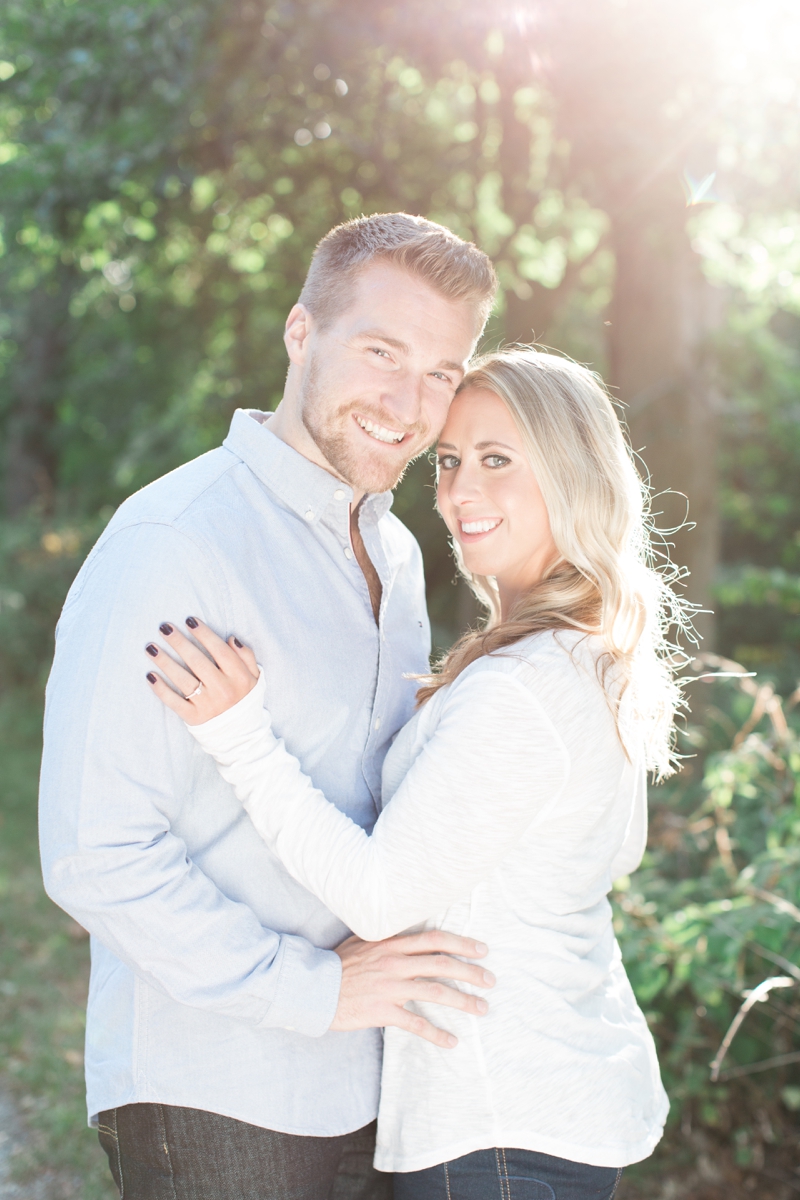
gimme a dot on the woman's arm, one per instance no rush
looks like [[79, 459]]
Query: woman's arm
[[493, 765]]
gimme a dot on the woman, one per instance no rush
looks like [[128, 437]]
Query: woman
[[512, 799]]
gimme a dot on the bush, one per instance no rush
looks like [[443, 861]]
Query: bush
[[712, 913], [39, 558]]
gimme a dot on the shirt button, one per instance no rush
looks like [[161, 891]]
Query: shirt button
[[377, 722], [338, 494], [309, 516], [348, 553]]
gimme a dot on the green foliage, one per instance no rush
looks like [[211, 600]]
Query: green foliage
[[166, 173], [38, 560], [44, 964], [714, 911]]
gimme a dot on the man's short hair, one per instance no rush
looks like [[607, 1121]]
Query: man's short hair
[[454, 268]]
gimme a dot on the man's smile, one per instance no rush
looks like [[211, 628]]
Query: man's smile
[[379, 432]]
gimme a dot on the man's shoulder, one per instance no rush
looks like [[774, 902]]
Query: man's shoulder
[[176, 497], [169, 515]]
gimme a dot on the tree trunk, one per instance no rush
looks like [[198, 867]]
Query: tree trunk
[[661, 314]]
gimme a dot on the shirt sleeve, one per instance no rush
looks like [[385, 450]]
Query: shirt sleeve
[[492, 767], [117, 772]]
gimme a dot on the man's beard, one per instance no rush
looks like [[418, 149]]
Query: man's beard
[[328, 426]]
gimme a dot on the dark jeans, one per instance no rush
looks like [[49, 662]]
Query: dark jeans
[[508, 1175], [159, 1152]]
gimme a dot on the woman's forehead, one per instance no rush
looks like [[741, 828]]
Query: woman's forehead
[[477, 414]]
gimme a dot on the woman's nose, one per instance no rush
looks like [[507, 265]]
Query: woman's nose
[[464, 486]]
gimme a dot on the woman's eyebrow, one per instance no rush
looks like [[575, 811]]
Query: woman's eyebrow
[[444, 446], [486, 445]]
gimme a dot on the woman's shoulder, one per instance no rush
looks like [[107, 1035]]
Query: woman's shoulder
[[560, 651], [545, 663], [562, 669]]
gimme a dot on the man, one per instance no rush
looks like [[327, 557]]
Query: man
[[233, 1044]]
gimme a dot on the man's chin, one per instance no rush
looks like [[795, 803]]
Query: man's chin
[[369, 470]]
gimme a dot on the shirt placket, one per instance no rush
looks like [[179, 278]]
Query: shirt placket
[[375, 550]]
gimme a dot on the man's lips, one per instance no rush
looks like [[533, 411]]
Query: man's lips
[[378, 432], [478, 528]]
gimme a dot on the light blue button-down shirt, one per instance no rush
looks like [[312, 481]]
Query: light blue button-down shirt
[[213, 979]]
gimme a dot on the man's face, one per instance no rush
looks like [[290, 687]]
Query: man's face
[[377, 382]]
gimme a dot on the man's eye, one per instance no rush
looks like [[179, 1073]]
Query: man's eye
[[447, 462], [380, 351], [495, 460], [441, 375]]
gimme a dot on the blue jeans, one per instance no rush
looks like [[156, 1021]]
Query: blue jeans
[[502, 1174], [161, 1152]]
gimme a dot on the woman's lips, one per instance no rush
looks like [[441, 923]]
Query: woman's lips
[[478, 529]]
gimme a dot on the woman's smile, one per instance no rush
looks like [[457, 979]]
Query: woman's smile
[[473, 530]]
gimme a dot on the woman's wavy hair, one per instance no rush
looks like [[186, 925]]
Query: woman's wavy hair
[[605, 581]]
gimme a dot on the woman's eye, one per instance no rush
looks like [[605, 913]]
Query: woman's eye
[[447, 462], [496, 460], [379, 351]]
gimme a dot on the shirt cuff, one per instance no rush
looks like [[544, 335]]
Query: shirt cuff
[[307, 994]]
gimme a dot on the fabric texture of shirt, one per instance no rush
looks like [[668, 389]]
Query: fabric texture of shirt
[[510, 808], [213, 978]]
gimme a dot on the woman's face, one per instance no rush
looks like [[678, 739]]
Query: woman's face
[[489, 496]]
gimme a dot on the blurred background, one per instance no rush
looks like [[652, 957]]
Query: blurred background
[[633, 168]]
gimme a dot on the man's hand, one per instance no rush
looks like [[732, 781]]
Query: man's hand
[[379, 978]]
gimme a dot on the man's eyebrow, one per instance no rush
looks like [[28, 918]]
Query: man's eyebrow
[[376, 335]]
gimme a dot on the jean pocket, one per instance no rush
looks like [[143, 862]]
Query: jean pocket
[[519, 1187]]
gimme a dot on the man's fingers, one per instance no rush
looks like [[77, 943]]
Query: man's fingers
[[448, 997], [422, 1028], [433, 941], [442, 966]]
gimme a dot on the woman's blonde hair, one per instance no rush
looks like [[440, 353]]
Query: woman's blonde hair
[[604, 581]]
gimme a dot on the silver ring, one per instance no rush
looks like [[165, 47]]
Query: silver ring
[[196, 692]]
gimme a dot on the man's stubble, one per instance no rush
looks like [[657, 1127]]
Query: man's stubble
[[326, 423]]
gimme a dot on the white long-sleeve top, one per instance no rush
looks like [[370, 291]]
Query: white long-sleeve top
[[510, 806]]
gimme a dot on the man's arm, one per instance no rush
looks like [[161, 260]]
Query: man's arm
[[116, 769]]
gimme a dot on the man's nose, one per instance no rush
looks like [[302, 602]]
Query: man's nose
[[404, 398]]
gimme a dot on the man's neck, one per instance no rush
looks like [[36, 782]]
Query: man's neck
[[286, 425]]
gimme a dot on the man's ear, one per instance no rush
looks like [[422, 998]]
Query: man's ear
[[299, 324]]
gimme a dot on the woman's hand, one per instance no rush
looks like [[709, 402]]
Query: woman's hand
[[214, 681]]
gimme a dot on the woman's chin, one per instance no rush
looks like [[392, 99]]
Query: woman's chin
[[479, 564]]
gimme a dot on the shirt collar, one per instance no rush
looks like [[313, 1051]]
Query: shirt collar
[[298, 483]]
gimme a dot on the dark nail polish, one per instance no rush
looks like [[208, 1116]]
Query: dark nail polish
[[191, 622], [165, 629], [151, 677], [236, 642], [152, 650]]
